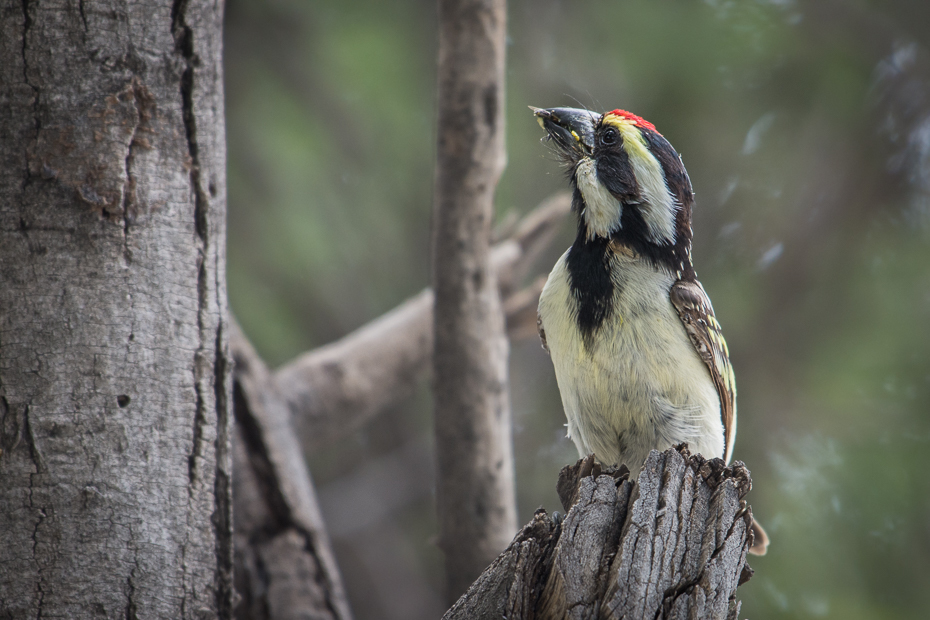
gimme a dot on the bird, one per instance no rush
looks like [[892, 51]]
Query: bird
[[639, 356]]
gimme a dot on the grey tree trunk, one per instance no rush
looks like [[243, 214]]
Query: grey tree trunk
[[114, 372], [475, 487]]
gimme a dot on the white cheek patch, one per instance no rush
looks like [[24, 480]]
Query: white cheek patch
[[602, 210], [658, 207]]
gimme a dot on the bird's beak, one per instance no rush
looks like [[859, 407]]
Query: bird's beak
[[571, 128]]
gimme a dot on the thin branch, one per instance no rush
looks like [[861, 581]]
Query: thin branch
[[333, 390]]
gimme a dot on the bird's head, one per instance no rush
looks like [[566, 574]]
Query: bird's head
[[629, 184]]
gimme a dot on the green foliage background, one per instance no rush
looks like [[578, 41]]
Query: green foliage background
[[812, 237]]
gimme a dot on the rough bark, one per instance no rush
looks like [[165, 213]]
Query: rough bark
[[285, 567], [672, 546], [333, 390], [475, 488], [114, 408]]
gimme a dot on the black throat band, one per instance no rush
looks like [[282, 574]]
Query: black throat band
[[589, 279]]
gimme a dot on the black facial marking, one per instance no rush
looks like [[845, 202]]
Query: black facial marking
[[577, 198], [613, 166], [634, 233], [590, 282], [616, 174]]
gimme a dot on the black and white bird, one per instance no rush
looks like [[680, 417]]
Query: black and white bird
[[639, 357]]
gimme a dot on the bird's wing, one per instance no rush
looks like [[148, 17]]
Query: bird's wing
[[697, 315]]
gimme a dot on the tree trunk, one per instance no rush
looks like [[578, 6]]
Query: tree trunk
[[475, 487], [670, 546], [114, 373]]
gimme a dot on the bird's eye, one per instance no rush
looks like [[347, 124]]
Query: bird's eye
[[609, 136]]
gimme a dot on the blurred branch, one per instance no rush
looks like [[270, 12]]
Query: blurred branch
[[327, 393], [672, 545], [285, 567], [333, 390]]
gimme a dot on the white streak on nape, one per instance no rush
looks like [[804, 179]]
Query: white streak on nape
[[658, 207], [602, 209]]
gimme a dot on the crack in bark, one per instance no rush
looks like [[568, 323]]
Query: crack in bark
[[222, 499], [8, 441], [36, 456], [83, 16], [34, 453], [131, 602], [5, 411], [27, 24], [184, 42], [183, 37], [260, 460], [129, 186], [199, 421], [27, 173], [319, 575], [671, 595], [131, 609], [35, 543]]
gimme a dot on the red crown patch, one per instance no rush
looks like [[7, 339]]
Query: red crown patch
[[639, 121]]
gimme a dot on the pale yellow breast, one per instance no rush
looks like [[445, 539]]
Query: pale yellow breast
[[639, 385]]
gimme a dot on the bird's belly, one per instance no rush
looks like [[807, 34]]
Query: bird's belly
[[636, 383]]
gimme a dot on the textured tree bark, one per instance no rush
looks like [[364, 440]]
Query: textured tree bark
[[332, 390], [285, 567], [671, 546], [114, 375], [475, 488]]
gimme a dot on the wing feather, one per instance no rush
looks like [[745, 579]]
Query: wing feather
[[697, 315]]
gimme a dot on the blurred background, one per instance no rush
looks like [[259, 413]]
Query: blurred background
[[805, 127]]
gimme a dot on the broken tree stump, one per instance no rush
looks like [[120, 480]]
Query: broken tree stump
[[671, 545]]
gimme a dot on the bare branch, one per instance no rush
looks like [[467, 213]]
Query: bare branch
[[673, 545], [532, 237], [333, 390], [285, 567]]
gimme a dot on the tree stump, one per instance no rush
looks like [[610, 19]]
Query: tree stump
[[671, 545]]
